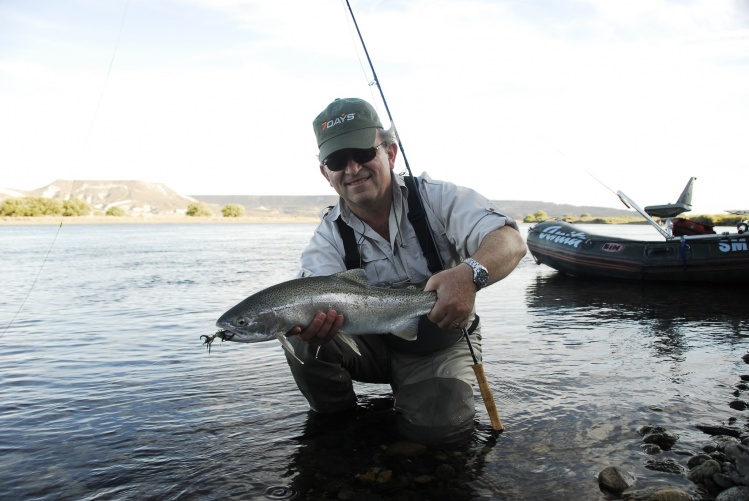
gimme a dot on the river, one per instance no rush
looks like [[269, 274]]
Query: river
[[107, 393]]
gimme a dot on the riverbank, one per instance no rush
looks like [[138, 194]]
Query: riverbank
[[152, 219]]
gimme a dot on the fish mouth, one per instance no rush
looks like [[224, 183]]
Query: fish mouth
[[225, 334], [222, 334]]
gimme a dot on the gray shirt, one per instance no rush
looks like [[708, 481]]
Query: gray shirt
[[460, 218]]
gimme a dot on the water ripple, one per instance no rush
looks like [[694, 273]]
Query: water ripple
[[106, 391]]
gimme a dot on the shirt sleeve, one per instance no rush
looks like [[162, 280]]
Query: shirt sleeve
[[324, 253], [464, 216]]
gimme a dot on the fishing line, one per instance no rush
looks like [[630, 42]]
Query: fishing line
[[478, 367], [376, 82], [370, 83], [72, 183]]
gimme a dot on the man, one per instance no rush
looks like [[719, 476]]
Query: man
[[431, 377]]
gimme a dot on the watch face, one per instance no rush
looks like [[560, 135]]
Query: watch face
[[482, 277]]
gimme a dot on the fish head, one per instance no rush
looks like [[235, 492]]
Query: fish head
[[247, 326]]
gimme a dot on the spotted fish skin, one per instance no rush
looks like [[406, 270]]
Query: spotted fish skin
[[367, 309]]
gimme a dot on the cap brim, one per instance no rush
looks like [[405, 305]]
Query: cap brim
[[360, 139]]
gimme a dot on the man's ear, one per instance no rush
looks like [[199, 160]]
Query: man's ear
[[392, 150]]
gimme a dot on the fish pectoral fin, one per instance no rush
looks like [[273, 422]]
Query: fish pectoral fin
[[408, 331], [287, 346], [347, 339]]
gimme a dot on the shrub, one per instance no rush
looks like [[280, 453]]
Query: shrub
[[232, 210], [75, 207], [536, 217], [197, 209], [30, 207], [116, 211]]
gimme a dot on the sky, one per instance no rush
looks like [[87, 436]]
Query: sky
[[558, 101]]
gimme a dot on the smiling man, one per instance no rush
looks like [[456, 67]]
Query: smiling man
[[371, 228]]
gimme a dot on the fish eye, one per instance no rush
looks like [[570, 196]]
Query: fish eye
[[242, 322]]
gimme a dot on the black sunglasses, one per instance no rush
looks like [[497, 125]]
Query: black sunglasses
[[339, 160]]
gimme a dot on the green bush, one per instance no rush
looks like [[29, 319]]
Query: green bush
[[75, 207], [536, 217], [31, 207], [197, 209], [232, 210], [116, 211]]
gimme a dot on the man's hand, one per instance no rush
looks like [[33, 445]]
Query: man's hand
[[321, 330], [500, 251], [456, 294]]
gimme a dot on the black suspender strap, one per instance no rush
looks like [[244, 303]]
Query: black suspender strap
[[418, 220], [421, 226], [352, 259]]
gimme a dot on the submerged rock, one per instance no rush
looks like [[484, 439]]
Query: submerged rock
[[702, 473], [659, 436], [615, 479], [668, 493], [719, 430], [697, 460], [651, 449], [409, 449], [740, 493], [739, 405], [667, 465]]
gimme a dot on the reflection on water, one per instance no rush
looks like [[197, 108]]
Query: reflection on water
[[669, 310], [107, 393]]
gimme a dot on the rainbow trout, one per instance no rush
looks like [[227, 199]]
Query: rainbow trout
[[367, 309]]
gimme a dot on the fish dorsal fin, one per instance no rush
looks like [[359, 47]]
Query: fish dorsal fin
[[408, 330], [357, 276]]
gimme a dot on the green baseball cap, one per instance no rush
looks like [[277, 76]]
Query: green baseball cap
[[346, 123]]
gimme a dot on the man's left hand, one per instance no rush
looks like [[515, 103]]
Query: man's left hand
[[456, 294]]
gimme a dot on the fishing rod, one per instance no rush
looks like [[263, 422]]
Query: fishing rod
[[478, 368]]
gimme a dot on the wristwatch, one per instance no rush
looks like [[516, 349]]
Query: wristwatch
[[480, 275]]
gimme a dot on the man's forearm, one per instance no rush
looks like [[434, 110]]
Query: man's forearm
[[500, 252]]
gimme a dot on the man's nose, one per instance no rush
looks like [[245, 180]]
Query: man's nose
[[352, 167]]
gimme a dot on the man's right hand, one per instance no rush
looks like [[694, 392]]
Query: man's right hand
[[321, 330]]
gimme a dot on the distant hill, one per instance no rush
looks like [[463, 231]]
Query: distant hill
[[311, 205], [140, 197], [134, 197]]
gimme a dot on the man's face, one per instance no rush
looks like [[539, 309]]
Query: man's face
[[364, 185]]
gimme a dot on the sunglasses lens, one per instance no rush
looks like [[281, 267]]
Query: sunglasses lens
[[336, 162], [363, 156], [339, 160]]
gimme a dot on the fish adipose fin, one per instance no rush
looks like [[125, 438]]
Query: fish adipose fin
[[349, 341], [408, 331], [287, 346]]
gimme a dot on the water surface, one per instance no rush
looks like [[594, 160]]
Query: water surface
[[107, 393]]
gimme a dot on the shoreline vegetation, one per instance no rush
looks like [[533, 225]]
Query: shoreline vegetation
[[50, 211], [715, 220], [157, 219]]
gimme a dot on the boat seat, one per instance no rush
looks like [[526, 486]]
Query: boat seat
[[683, 204]]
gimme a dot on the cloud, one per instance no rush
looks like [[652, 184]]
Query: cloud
[[520, 98]]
